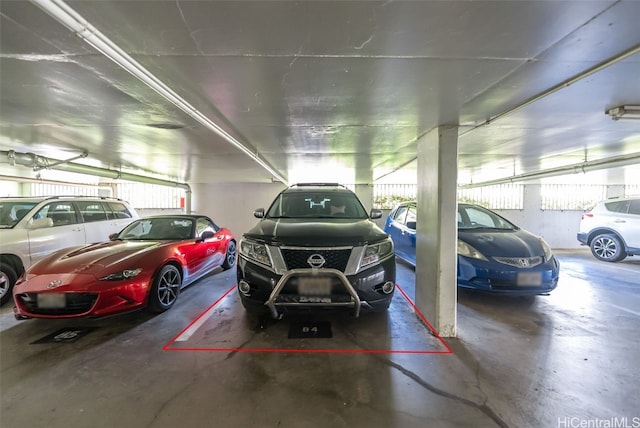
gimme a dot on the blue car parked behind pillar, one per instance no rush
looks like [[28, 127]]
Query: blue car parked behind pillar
[[494, 255]]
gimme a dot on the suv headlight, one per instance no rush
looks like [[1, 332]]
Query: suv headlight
[[467, 250], [375, 252], [256, 252]]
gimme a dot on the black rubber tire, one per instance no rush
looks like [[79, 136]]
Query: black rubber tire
[[231, 256], [165, 289], [608, 248], [8, 278]]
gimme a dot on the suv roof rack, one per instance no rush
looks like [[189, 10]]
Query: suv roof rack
[[81, 196], [46, 198], [318, 184]]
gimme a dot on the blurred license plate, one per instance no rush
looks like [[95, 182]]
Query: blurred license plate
[[51, 300], [529, 279], [314, 286]]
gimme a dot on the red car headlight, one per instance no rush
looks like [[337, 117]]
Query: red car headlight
[[123, 274]]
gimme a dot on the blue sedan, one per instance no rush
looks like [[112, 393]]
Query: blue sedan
[[494, 255]]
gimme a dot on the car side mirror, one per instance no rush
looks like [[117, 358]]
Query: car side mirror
[[259, 213], [411, 225], [40, 223], [375, 213], [112, 236], [206, 235]]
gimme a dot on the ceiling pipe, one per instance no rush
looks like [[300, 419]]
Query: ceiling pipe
[[40, 162], [71, 19], [613, 162], [590, 71]]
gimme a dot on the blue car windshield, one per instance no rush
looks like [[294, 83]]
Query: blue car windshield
[[328, 204], [475, 217]]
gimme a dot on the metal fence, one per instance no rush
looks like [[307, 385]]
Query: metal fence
[[571, 196], [499, 197]]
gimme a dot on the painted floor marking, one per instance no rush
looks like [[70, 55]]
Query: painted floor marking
[[195, 325], [188, 331], [623, 309]]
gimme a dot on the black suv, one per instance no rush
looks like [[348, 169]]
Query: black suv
[[316, 246]]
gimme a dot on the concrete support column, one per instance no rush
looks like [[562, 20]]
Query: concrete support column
[[532, 208], [437, 231], [365, 194]]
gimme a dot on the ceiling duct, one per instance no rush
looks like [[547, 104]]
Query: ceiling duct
[[38, 162], [613, 162]]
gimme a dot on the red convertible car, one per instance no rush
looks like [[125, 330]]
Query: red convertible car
[[145, 265]]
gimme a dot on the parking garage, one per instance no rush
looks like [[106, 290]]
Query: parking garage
[[215, 107]]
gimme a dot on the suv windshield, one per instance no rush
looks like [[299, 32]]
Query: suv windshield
[[317, 204], [12, 212]]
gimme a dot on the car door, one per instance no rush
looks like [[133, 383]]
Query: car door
[[403, 237], [630, 227], [202, 257], [66, 230], [96, 223], [119, 215]]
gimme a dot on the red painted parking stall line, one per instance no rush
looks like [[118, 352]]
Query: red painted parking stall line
[[190, 329]]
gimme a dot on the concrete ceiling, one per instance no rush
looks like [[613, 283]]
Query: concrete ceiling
[[322, 89]]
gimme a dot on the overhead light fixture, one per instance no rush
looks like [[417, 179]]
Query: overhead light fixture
[[624, 112], [71, 19]]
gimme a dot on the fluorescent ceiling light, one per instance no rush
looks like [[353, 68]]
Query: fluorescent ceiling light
[[624, 112], [83, 29]]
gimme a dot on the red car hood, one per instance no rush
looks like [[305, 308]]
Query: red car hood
[[94, 259]]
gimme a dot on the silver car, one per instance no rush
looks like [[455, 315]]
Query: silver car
[[33, 227], [612, 229]]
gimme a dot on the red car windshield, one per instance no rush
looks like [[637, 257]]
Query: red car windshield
[[156, 229]]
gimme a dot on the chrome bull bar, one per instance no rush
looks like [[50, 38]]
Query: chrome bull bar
[[271, 302]]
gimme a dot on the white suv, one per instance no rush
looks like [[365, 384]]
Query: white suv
[[612, 229], [32, 227]]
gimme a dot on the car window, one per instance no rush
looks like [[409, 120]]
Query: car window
[[204, 225], [618, 206], [92, 211], [117, 210], [411, 217], [474, 217], [159, 228], [13, 212], [634, 207], [60, 213], [319, 204], [400, 214]]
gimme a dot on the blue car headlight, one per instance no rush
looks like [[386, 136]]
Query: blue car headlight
[[123, 274], [255, 251], [467, 250], [546, 248]]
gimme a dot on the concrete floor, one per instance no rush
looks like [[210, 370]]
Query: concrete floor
[[564, 360]]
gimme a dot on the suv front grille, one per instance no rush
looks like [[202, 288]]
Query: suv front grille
[[335, 259]]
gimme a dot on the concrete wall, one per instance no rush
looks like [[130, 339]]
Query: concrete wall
[[558, 228], [232, 204]]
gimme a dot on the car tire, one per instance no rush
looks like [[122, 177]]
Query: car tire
[[165, 289], [230, 256], [608, 248], [8, 278]]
